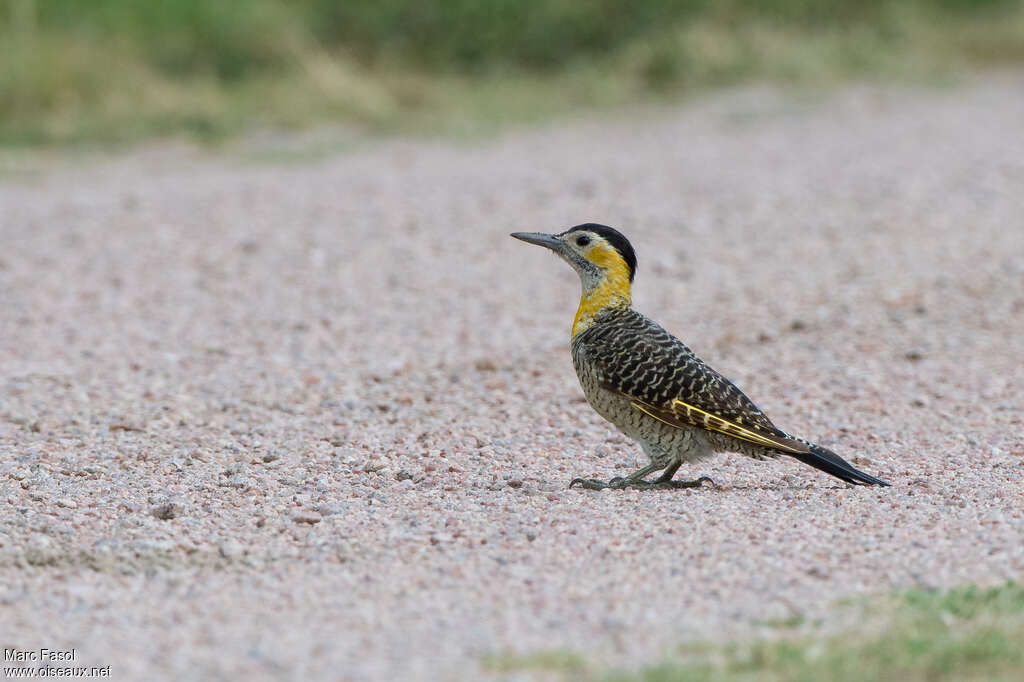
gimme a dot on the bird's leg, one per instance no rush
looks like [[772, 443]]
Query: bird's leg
[[618, 482], [666, 479], [667, 474]]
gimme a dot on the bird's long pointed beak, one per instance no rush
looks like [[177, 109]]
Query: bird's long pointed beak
[[539, 238]]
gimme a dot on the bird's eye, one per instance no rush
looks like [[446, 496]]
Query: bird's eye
[[582, 240]]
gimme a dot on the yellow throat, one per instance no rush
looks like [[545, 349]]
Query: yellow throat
[[612, 291]]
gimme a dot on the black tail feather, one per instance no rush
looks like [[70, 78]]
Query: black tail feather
[[831, 463]]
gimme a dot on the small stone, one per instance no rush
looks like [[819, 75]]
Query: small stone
[[146, 546], [67, 503], [819, 572], [39, 541], [329, 509], [41, 551], [309, 517], [237, 481], [41, 479], [515, 483], [165, 511], [913, 354], [348, 455], [486, 365], [229, 549], [531, 535], [233, 469], [19, 474], [403, 475], [271, 456]]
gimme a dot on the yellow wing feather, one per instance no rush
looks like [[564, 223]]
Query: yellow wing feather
[[694, 416]]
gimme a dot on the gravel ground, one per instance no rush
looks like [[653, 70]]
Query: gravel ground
[[316, 420]]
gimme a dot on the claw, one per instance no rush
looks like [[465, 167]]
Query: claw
[[593, 483]]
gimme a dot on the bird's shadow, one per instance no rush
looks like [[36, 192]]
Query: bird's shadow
[[727, 488]]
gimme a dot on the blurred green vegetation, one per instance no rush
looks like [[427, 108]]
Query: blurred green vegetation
[[118, 70], [969, 633]]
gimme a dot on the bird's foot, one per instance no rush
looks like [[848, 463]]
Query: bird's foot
[[696, 483], [619, 483]]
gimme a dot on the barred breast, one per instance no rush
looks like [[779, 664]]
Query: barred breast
[[619, 341]]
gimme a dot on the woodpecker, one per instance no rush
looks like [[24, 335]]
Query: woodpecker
[[651, 386]]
